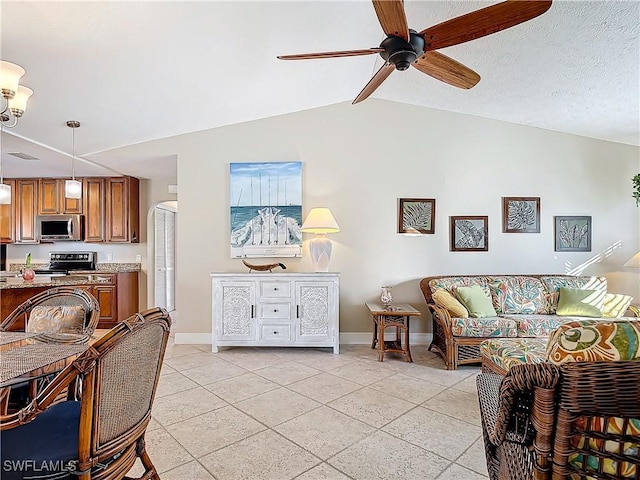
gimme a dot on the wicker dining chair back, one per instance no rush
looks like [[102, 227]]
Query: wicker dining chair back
[[118, 374], [57, 296]]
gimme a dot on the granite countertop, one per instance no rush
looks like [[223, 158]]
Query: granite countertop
[[110, 267], [49, 281]]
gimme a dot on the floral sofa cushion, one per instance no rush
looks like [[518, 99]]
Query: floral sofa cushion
[[483, 327], [538, 325], [595, 340], [554, 284], [451, 283], [515, 294]]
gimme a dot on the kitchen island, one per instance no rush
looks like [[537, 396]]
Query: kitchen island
[[115, 287]]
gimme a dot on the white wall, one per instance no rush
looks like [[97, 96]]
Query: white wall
[[358, 160]]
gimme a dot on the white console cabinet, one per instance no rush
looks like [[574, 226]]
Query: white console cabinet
[[275, 309]]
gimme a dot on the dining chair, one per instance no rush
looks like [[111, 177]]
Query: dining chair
[[100, 436], [60, 315]]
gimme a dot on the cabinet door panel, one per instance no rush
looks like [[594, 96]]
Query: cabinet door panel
[[313, 310], [26, 208], [236, 311], [93, 190], [49, 196], [107, 298]]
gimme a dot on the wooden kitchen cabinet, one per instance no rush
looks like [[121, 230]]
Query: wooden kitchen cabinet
[[51, 199], [107, 296], [94, 209], [122, 208], [26, 201], [7, 217], [118, 300]]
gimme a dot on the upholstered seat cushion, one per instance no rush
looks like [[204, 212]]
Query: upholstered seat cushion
[[507, 352], [537, 325], [484, 327], [44, 448]]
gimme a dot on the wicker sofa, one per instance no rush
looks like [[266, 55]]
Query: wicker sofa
[[576, 415], [525, 306]]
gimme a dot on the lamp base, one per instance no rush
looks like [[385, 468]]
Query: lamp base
[[320, 250]]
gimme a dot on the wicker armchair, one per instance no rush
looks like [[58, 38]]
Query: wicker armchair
[[57, 296], [579, 420], [101, 436]]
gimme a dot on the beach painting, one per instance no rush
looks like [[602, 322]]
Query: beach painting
[[266, 209]]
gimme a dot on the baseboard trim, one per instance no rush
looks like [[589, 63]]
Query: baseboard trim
[[346, 338]]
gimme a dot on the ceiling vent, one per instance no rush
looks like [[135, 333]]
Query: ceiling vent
[[23, 156]]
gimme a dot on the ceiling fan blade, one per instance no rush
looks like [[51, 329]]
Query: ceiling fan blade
[[343, 53], [482, 22], [446, 70], [392, 17], [380, 76]]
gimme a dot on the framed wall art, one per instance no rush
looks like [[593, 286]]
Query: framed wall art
[[416, 215], [521, 214], [265, 209], [572, 234], [469, 234]]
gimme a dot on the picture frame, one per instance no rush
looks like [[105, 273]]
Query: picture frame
[[521, 214], [469, 233], [572, 233], [416, 215]]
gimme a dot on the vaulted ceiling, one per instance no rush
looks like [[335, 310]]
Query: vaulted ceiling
[[137, 71]]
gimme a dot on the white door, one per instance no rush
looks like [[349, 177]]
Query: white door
[[165, 251]]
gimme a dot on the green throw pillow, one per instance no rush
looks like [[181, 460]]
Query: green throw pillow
[[476, 301], [580, 303]]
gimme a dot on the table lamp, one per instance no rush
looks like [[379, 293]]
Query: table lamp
[[320, 221]]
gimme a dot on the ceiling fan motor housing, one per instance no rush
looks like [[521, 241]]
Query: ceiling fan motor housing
[[401, 53]]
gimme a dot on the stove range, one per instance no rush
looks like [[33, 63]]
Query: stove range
[[63, 263]]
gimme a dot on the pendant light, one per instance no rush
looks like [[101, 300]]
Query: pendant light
[[73, 188], [5, 190]]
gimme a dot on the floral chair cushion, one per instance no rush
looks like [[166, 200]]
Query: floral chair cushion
[[595, 340], [483, 327], [507, 352], [56, 319], [554, 284], [513, 294], [615, 426], [538, 325]]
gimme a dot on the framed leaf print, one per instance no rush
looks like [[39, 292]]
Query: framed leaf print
[[521, 214], [572, 234], [469, 234], [416, 215]]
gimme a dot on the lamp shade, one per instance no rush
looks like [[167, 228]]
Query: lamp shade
[[633, 262], [18, 104], [320, 220], [5, 194], [10, 75], [73, 189]]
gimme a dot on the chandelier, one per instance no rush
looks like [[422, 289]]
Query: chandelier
[[14, 95]]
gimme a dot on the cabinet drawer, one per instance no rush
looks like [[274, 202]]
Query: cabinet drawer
[[275, 289], [275, 310], [276, 331]]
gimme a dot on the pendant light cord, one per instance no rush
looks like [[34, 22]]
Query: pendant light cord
[[73, 157]]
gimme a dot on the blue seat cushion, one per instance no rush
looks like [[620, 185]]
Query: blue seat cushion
[[44, 448]]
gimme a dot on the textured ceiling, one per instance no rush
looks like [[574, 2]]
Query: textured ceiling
[[137, 71]]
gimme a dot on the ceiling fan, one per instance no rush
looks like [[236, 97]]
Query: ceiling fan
[[405, 47]]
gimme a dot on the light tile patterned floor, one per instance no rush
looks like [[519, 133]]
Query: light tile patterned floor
[[306, 414]]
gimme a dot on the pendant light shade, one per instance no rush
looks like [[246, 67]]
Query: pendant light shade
[[5, 194], [73, 187]]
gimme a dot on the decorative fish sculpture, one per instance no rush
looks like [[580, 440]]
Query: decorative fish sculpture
[[264, 268]]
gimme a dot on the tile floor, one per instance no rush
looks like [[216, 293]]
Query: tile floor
[[306, 414]]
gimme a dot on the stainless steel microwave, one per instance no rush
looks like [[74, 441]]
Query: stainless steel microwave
[[59, 228]]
